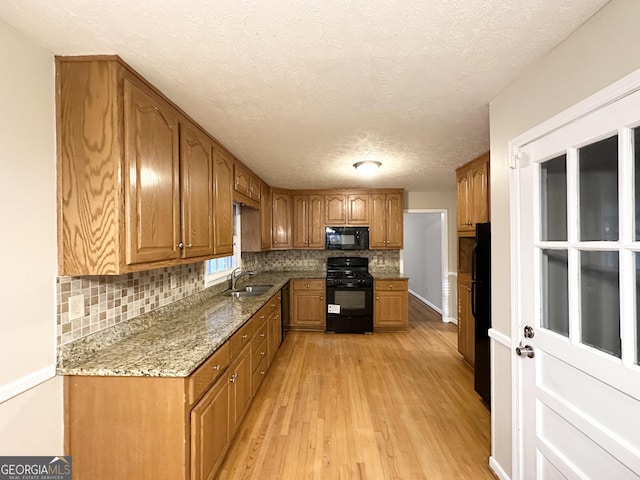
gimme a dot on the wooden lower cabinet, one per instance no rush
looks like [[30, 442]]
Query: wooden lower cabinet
[[391, 305], [168, 428], [210, 434], [466, 322], [308, 304]]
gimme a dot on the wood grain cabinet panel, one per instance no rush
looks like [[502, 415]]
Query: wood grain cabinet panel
[[391, 305], [281, 219], [308, 221], [222, 202], [196, 175], [135, 175], [357, 209], [466, 321], [386, 227], [308, 304], [472, 201]]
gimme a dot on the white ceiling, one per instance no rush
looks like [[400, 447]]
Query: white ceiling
[[300, 90]]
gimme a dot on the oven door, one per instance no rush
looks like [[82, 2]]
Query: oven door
[[350, 301], [350, 309]]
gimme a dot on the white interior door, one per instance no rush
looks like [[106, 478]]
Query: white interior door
[[577, 232]]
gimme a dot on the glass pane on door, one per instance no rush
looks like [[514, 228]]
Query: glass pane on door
[[600, 300], [599, 190], [555, 293], [553, 199]]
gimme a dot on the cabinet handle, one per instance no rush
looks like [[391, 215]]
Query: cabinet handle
[[321, 298], [377, 298], [245, 336], [262, 372], [233, 378], [262, 354], [189, 245], [180, 245], [217, 367], [263, 334]]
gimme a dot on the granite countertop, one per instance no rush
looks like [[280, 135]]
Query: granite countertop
[[171, 341]]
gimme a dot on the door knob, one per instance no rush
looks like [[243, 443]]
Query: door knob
[[525, 351]]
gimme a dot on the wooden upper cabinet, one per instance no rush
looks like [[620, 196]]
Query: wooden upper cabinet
[[357, 209], [335, 209], [222, 202], [281, 220], [135, 175], [265, 216], [473, 193], [196, 176], [246, 186], [346, 209], [308, 221], [385, 231], [151, 176]]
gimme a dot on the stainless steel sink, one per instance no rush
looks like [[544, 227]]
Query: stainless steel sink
[[250, 291], [257, 288], [243, 294]]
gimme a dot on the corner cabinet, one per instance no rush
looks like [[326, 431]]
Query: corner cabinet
[[473, 193], [135, 175], [386, 221], [391, 305]]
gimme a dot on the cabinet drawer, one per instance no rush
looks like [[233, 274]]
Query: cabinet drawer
[[241, 338], [208, 372], [311, 284], [259, 374], [391, 285], [259, 352]]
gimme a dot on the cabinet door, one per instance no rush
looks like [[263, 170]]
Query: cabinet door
[[463, 201], [466, 327], [281, 219], [242, 180], [308, 306], [378, 227], [223, 202], [196, 175], [358, 209], [151, 174], [240, 377], [394, 220], [254, 188], [265, 217], [335, 210], [210, 431], [300, 221], [391, 308], [315, 221], [479, 199]]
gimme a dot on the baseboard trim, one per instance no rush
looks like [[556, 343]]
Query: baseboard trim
[[497, 469]]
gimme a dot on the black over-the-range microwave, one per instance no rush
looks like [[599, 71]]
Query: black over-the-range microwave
[[347, 238]]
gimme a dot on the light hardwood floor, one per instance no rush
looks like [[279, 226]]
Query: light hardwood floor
[[381, 406]]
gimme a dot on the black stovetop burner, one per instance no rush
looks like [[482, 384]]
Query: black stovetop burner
[[348, 271]]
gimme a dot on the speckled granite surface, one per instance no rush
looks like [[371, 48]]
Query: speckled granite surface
[[171, 341]]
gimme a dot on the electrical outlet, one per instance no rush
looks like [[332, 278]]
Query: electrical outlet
[[76, 307], [174, 281]]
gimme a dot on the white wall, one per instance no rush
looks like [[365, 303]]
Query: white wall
[[422, 256], [603, 50], [31, 423]]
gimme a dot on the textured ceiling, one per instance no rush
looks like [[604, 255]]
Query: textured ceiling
[[300, 90]]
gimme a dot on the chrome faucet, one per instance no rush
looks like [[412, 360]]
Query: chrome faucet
[[236, 274]]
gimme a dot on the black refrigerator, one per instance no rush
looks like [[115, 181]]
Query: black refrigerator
[[481, 309]]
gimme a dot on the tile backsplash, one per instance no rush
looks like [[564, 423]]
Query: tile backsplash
[[110, 300]]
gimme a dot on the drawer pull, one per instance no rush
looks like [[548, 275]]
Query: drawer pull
[[233, 378], [245, 336], [217, 368], [262, 372], [263, 353], [263, 334]]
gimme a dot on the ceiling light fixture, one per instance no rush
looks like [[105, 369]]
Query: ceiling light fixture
[[367, 167]]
